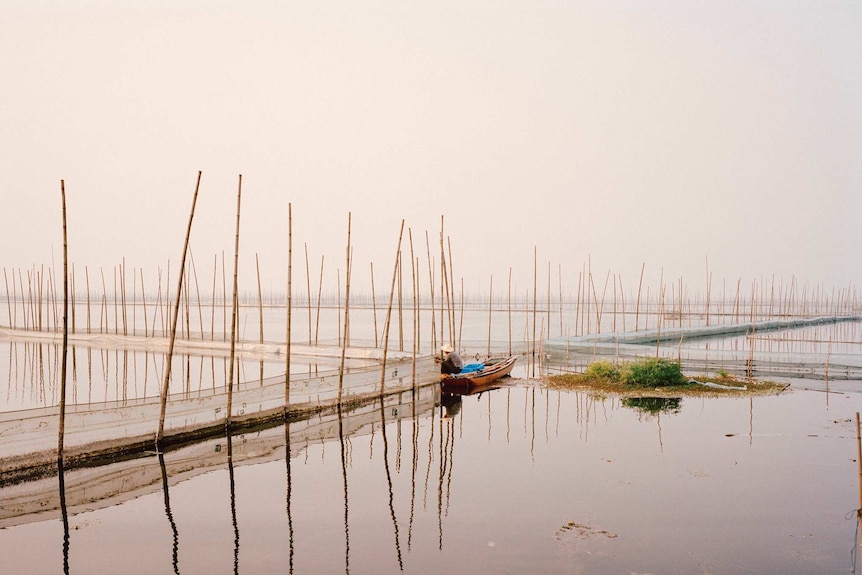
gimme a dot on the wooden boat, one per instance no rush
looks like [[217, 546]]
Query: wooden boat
[[494, 369]]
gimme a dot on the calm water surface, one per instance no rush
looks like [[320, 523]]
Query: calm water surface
[[515, 480]]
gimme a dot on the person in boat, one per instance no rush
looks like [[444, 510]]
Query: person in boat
[[450, 361]]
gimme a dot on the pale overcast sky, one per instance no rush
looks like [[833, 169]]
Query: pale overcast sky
[[627, 132]]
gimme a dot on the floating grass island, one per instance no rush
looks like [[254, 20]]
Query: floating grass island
[[658, 377]]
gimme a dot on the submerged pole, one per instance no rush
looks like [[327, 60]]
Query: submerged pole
[[164, 392]]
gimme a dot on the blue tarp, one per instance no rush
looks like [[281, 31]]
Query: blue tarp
[[471, 367]]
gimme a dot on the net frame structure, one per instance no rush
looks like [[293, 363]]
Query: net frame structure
[[575, 353], [98, 431]]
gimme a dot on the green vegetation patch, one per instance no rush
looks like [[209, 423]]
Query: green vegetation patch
[[656, 374]]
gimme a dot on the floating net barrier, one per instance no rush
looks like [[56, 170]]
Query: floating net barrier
[[36, 498], [575, 353], [94, 430], [197, 347]]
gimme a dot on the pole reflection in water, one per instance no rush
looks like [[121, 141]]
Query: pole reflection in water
[[389, 484], [346, 500], [289, 494], [176, 536], [414, 435], [64, 514], [233, 504]]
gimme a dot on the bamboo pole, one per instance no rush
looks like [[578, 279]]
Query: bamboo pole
[[859, 467], [307, 288], [223, 298], [431, 292], [374, 305], [234, 305], [400, 306], [638, 303], [116, 303], [289, 313], [197, 293], [560, 280], [87, 280], [143, 303], [62, 422], [103, 328], [452, 289], [708, 289], [167, 379], [8, 300], [445, 303], [548, 303], [415, 286], [72, 310], [319, 298], [533, 343], [578, 304], [509, 309], [259, 309], [346, 313], [23, 297], [461, 324], [338, 302], [123, 296], [490, 309], [213, 299], [389, 310]]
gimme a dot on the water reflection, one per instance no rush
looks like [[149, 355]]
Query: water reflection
[[654, 405], [341, 441], [451, 404], [61, 476], [175, 548], [590, 467], [288, 494], [233, 504], [389, 484]]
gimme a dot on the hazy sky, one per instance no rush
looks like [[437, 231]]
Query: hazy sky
[[657, 133]]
